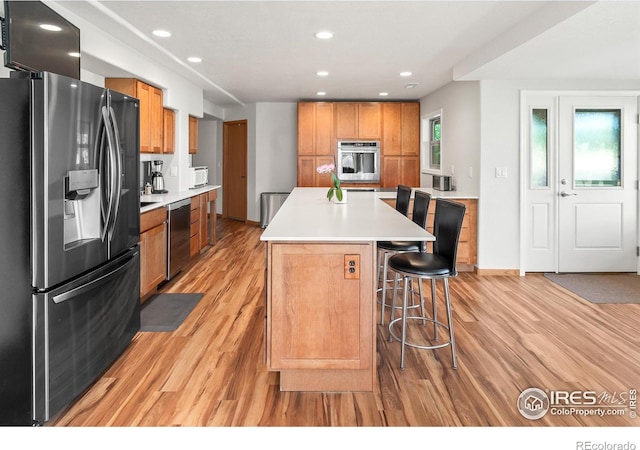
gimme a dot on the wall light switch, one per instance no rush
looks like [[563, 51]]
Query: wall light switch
[[174, 171], [470, 172], [501, 172]]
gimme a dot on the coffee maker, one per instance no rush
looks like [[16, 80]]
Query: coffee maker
[[157, 181]]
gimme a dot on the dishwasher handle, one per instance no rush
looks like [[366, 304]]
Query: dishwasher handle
[[179, 204]]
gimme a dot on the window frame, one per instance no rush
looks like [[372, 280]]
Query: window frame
[[427, 142]]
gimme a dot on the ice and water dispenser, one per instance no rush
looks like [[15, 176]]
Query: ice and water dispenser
[[81, 207]]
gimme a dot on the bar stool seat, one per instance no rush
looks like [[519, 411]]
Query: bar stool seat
[[439, 265], [386, 249]]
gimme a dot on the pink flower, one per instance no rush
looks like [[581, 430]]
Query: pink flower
[[326, 168]]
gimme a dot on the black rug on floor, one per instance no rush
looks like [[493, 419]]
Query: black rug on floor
[[165, 312]]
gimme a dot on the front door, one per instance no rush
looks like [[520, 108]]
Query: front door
[[581, 169], [596, 190], [234, 200]]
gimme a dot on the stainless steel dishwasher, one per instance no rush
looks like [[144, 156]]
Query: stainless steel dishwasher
[[178, 237]]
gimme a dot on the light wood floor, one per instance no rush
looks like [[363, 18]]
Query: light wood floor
[[512, 333]]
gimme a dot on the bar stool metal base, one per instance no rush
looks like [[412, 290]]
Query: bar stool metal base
[[436, 323], [383, 281]]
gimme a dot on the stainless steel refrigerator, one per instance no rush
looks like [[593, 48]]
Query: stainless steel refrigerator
[[69, 235]]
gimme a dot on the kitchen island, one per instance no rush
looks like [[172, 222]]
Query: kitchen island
[[321, 293]]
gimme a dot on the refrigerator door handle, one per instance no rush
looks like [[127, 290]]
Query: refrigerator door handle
[[112, 171], [118, 171], [91, 285], [104, 205]]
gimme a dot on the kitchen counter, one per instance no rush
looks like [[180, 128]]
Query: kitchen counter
[[307, 215], [163, 200]]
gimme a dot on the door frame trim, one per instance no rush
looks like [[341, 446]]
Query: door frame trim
[[525, 94]]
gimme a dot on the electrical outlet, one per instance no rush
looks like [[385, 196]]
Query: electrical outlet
[[352, 267], [501, 172], [174, 171]]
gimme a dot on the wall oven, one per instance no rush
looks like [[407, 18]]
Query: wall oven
[[359, 161]]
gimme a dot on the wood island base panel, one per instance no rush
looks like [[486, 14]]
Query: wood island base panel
[[321, 327]]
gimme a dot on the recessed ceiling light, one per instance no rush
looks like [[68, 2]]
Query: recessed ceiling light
[[49, 27], [161, 33], [74, 54], [322, 73], [321, 93], [324, 34], [194, 59], [405, 74], [383, 94]]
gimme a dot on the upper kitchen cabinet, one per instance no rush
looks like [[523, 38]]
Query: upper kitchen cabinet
[[358, 120], [391, 129], [401, 129], [169, 131], [410, 129], [193, 135], [315, 128], [151, 110]]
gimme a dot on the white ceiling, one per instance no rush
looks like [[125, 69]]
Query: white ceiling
[[265, 51]]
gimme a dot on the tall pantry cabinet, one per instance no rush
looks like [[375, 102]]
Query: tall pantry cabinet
[[395, 124], [316, 143]]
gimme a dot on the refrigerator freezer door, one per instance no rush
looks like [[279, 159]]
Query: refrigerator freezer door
[[66, 137], [81, 329]]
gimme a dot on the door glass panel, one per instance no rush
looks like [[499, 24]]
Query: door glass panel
[[539, 148], [597, 152]]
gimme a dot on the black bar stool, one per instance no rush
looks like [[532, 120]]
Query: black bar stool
[[439, 265], [386, 249]]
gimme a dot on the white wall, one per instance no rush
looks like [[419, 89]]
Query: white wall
[[499, 203], [460, 105], [271, 147]]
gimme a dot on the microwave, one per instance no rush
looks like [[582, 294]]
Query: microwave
[[442, 183], [198, 176]]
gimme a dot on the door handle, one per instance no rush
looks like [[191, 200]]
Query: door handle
[[565, 194]]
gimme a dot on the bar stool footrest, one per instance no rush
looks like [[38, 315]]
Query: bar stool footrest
[[412, 344]]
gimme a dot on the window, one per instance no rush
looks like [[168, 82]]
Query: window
[[597, 145], [539, 148], [432, 142]]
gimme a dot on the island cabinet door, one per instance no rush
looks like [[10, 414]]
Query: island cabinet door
[[320, 313]]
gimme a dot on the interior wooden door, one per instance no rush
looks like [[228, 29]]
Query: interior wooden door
[[234, 202]]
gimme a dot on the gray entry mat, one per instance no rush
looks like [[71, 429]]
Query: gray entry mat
[[600, 288], [165, 312]]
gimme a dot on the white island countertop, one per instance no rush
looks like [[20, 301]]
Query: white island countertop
[[160, 200], [307, 215]]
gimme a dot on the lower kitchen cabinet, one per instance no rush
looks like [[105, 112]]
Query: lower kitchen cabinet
[[308, 175], [153, 250], [199, 229], [400, 170]]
